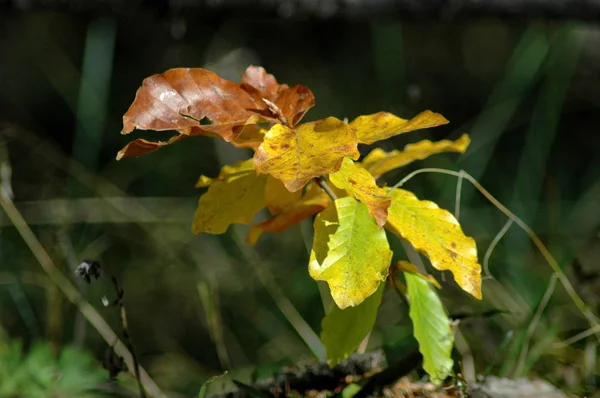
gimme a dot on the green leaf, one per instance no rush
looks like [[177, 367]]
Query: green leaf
[[202, 392], [350, 252], [344, 330], [431, 327]]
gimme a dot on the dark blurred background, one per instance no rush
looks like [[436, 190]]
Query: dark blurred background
[[523, 82]]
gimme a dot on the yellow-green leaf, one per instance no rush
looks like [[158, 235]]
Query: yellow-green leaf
[[382, 125], [436, 233], [311, 203], [277, 196], [405, 266], [431, 328], [344, 330], [360, 184], [233, 197], [295, 156], [379, 162], [350, 252]]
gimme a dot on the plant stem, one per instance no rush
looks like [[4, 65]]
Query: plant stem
[[322, 182], [67, 288]]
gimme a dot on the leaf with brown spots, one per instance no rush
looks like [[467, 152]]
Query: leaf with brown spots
[[295, 156], [382, 125], [360, 184], [437, 234]]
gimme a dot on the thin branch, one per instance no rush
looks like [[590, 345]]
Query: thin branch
[[322, 182], [120, 302], [492, 246], [577, 337], [67, 288]]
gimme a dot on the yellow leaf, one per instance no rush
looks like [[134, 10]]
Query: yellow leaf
[[350, 252], [437, 234], [379, 162], [311, 203], [233, 197], [405, 266], [382, 125], [360, 184], [295, 156], [277, 196]]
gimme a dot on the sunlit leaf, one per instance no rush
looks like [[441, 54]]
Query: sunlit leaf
[[277, 196], [344, 330], [437, 234], [234, 197], [431, 326], [295, 156], [379, 162], [350, 252], [311, 203], [360, 184], [382, 125]]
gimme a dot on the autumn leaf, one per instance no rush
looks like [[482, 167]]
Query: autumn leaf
[[360, 184], [195, 101], [344, 330], [292, 103], [382, 125], [379, 162], [277, 196], [311, 203], [295, 156], [432, 328], [233, 197], [437, 234], [350, 252], [140, 146]]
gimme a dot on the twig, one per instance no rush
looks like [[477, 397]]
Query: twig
[[322, 182], [577, 337], [120, 302], [577, 300], [492, 246], [67, 288]]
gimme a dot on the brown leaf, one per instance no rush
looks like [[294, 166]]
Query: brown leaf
[[292, 102], [199, 102], [141, 147]]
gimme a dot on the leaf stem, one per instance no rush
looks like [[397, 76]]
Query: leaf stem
[[322, 182], [577, 300]]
